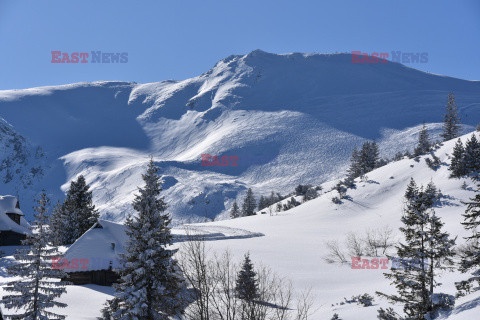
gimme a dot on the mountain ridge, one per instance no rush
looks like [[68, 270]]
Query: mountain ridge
[[291, 118]]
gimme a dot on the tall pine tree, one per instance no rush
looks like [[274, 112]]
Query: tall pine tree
[[373, 156], [365, 160], [356, 169], [249, 204], [457, 165], [425, 245], [439, 252], [451, 120], [39, 285], [235, 212], [151, 281], [80, 209], [424, 144], [57, 223], [472, 156], [262, 203], [272, 199], [77, 213], [470, 261], [247, 289]]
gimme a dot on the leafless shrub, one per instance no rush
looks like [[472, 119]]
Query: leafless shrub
[[372, 243], [378, 241], [282, 292], [305, 305], [194, 264], [335, 253], [354, 245], [225, 302], [375, 243], [387, 238]]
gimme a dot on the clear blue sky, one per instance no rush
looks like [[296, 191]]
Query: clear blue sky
[[183, 38]]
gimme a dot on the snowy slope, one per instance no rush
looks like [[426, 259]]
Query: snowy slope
[[21, 164], [292, 118], [292, 243]]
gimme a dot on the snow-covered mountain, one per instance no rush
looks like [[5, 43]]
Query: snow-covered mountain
[[290, 119], [21, 164]]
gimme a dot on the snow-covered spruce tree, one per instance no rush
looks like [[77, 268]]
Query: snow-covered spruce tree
[[279, 207], [356, 169], [457, 165], [292, 203], [302, 189], [151, 282], [451, 120], [108, 311], [365, 160], [423, 145], [76, 214], [249, 204], [235, 212], [310, 194], [39, 285], [412, 190], [470, 261], [439, 253], [425, 245], [370, 155], [431, 194], [262, 203], [388, 314], [341, 189], [78, 211], [247, 289], [56, 224], [472, 157], [272, 199]]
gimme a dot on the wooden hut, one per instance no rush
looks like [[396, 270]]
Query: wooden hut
[[13, 226], [94, 257]]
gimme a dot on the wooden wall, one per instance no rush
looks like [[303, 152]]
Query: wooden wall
[[10, 238], [100, 277]]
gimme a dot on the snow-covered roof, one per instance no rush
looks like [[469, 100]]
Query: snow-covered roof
[[101, 245], [9, 204]]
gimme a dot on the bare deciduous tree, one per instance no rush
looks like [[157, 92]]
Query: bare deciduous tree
[[194, 264], [305, 305], [335, 253], [212, 279], [354, 245]]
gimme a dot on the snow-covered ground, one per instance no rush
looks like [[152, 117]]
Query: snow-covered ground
[[290, 118], [292, 243]]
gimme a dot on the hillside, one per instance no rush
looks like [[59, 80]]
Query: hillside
[[292, 243], [290, 119]]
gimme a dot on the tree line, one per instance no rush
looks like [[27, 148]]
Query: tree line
[[250, 205]]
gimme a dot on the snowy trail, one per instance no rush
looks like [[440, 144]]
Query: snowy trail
[[212, 233]]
